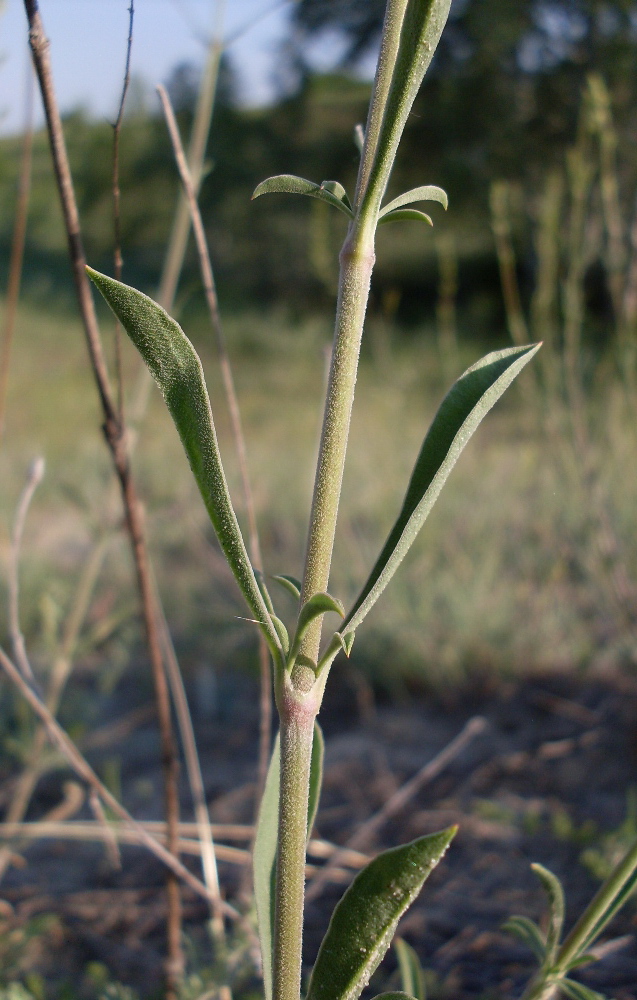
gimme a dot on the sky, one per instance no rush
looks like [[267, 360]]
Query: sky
[[88, 48]]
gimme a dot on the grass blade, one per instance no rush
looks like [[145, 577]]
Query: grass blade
[[365, 919], [175, 366], [458, 417]]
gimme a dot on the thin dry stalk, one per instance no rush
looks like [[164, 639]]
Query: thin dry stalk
[[62, 667], [34, 477], [84, 771], [396, 802], [117, 234], [116, 439], [235, 417], [17, 246], [193, 768], [500, 222]]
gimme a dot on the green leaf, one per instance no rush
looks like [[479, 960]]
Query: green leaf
[[337, 189], [528, 933], [282, 633], [406, 215], [428, 192], [581, 960], [395, 995], [289, 583], [458, 417], [317, 605], [175, 366], [554, 891], [290, 184], [411, 975], [316, 777], [264, 862], [576, 991], [265, 844], [365, 919]]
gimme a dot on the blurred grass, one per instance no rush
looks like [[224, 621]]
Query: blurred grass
[[500, 582]]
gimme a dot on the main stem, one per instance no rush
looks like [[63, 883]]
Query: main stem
[[297, 715], [357, 260]]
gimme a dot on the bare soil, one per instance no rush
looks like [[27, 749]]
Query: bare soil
[[547, 777]]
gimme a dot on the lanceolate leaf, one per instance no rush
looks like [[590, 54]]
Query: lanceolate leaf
[[316, 777], [460, 413], [364, 921], [290, 184], [263, 864], [265, 845], [406, 215], [411, 977], [555, 893], [428, 192], [175, 366]]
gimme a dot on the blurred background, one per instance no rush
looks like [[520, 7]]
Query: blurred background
[[528, 119]]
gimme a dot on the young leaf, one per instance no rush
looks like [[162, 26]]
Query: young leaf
[[365, 919], [528, 933], [316, 777], [289, 583], [411, 977], [337, 189], [282, 633], [406, 215], [290, 184], [428, 192], [263, 864], [576, 991], [265, 845], [175, 366], [317, 605], [459, 415], [553, 888]]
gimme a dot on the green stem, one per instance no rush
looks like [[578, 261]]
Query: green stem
[[297, 712], [357, 261]]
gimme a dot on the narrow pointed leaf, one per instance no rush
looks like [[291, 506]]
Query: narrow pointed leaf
[[528, 933], [282, 633], [365, 919], [576, 991], [410, 969], [553, 888], [290, 184], [458, 417], [316, 777], [577, 963], [428, 192], [265, 845], [406, 215], [263, 864], [175, 366], [289, 583]]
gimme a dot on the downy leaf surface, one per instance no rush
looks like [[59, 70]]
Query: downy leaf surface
[[175, 366], [406, 215], [428, 192], [459, 415], [291, 184], [365, 919], [265, 844]]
